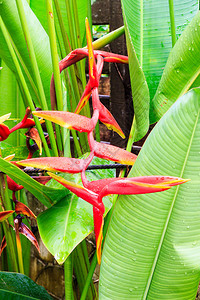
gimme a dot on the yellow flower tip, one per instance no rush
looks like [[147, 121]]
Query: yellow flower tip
[[9, 157], [4, 118]]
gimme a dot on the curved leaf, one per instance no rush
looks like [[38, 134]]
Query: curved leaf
[[152, 247], [148, 35], [18, 286], [182, 68], [63, 226], [45, 194]]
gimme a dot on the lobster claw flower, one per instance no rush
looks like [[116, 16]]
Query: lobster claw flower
[[68, 120], [114, 153], [4, 132], [34, 135], [87, 195], [60, 164], [12, 185], [3, 245], [5, 214], [23, 229], [21, 208]]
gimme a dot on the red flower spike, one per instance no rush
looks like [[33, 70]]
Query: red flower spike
[[34, 135], [138, 185], [3, 245], [114, 153], [5, 214], [80, 191], [4, 132], [98, 230], [67, 119], [21, 208], [23, 229], [84, 98], [88, 90], [12, 185], [4, 118], [60, 164], [9, 157], [93, 75]]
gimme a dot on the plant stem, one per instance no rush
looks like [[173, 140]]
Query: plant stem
[[55, 63], [24, 85], [12, 258], [68, 269], [108, 38], [172, 21], [89, 277], [36, 72], [19, 252]]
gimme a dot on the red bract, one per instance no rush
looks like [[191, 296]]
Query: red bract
[[93, 192]]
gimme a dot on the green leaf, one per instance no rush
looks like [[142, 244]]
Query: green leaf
[[11, 102], [152, 247], [39, 8], [149, 26], [140, 91], [45, 194], [182, 68], [40, 40], [17, 286], [63, 226]]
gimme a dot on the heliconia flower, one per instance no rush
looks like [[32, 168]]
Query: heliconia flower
[[34, 135], [4, 132], [61, 164], [67, 120], [3, 245], [96, 190], [114, 153], [104, 115], [93, 75], [9, 157], [23, 229], [5, 214], [80, 191], [12, 185], [21, 208], [4, 118]]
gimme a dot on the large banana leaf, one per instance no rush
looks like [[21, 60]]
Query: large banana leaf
[[182, 68], [63, 226], [40, 40], [148, 34], [152, 247]]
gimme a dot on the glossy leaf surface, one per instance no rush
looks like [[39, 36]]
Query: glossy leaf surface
[[20, 287], [148, 35], [182, 68], [64, 225], [155, 238]]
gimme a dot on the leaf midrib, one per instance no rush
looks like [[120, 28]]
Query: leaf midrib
[[168, 217]]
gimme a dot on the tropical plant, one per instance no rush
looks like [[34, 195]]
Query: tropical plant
[[164, 258]]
